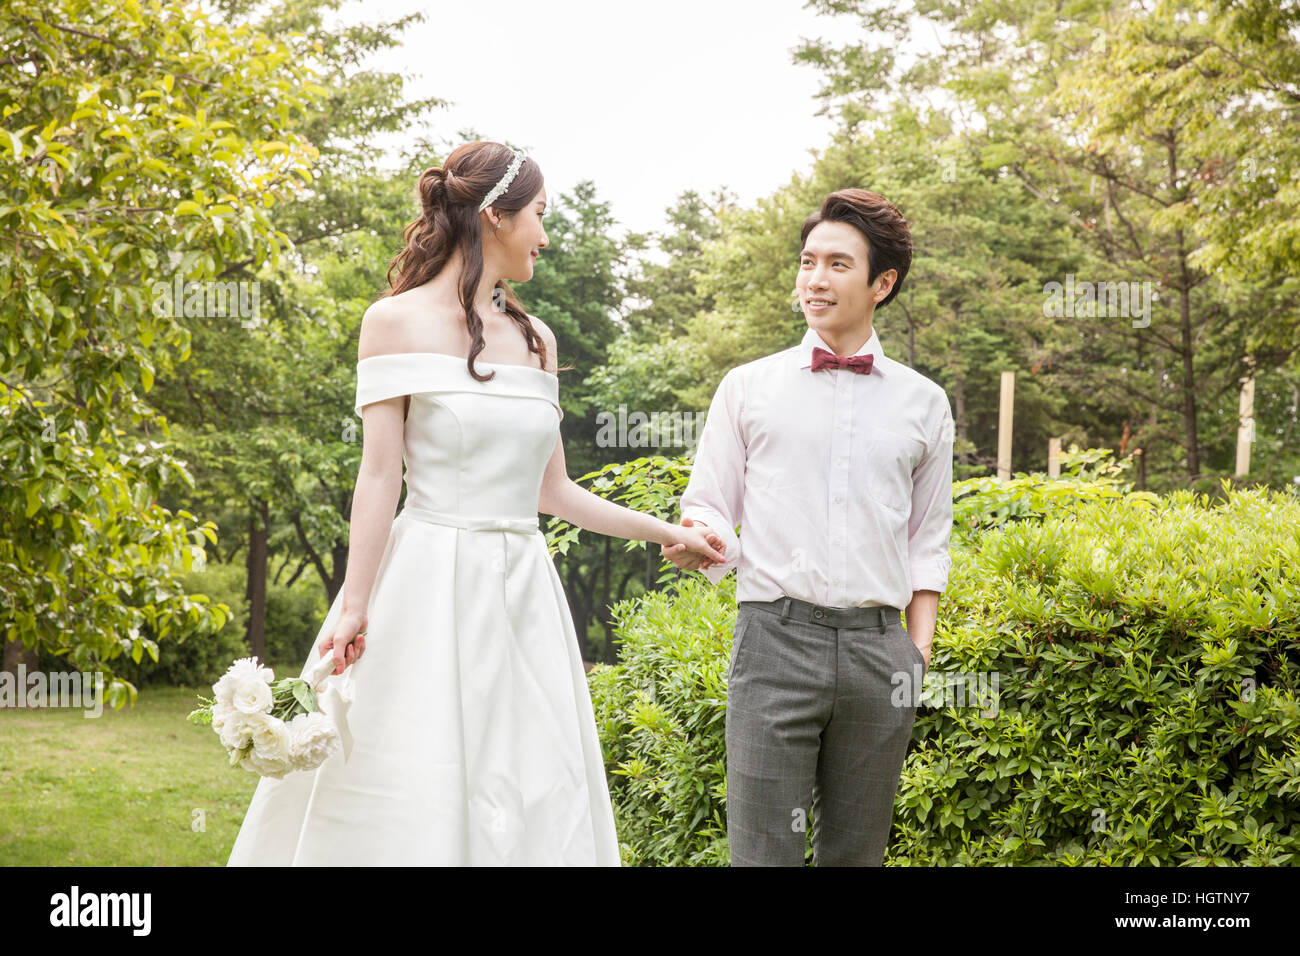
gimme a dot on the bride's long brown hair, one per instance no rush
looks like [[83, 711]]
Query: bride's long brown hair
[[449, 198]]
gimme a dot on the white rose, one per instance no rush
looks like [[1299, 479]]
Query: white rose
[[314, 740], [271, 739], [224, 689], [230, 726], [251, 696], [242, 670], [266, 766]]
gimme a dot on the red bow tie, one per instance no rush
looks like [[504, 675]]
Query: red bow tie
[[854, 363]]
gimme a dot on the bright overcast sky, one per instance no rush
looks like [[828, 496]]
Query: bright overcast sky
[[645, 100]]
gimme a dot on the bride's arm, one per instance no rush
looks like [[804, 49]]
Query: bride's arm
[[562, 497], [374, 500], [379, 478]]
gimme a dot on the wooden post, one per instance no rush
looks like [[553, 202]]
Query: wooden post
[[1053, 458], [1004, 425], [1246, 425]]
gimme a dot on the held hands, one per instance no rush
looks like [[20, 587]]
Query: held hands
[[348, 641], [696, 547]]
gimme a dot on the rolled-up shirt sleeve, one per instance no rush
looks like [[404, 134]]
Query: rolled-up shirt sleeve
[[716, 488], [930, 525]]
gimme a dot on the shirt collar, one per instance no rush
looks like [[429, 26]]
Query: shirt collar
[[812, 340]]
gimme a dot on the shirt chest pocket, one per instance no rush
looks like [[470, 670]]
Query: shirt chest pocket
[[886, 468]]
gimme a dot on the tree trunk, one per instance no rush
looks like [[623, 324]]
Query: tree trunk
[[338, 571], [1185, 329], [650, 566], [581, 594], [605, 614], [959, 401], [911, 334], [17, 653], [1189, 384], [255, 589]]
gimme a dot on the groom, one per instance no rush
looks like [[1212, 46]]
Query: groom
[[837, 462]]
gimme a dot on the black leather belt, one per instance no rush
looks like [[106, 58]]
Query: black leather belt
[[792, 609]]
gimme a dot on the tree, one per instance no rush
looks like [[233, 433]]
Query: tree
[[140, 145], [1098, 110], [263, 408]]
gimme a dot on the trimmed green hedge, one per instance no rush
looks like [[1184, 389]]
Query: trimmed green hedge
[[1146, 654]]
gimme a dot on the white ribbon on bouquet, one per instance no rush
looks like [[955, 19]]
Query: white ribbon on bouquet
[[333, 697]]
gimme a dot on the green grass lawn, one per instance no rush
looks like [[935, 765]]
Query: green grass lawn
[[122, 789]]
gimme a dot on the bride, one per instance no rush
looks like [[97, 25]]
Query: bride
[[474, 736]]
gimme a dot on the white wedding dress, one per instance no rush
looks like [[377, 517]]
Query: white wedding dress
[[474, 736]]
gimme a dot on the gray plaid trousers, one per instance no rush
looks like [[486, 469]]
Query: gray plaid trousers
[[811, 725]]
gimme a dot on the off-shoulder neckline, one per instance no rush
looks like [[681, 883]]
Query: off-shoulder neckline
[[463, 360]]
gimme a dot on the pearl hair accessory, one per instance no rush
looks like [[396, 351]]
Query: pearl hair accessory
[[504, 184]]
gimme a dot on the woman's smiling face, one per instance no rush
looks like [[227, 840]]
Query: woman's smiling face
[[516, 245]]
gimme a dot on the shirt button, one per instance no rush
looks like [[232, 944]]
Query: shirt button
[[838, 499]]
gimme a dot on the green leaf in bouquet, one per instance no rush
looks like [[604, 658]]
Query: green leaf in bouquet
[[305, 695], [202, 715]]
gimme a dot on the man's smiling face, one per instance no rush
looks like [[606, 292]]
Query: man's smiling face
[[833, 286]]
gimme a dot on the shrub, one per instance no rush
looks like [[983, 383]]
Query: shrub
[[1145, 651], [293, 618], [661, 714], [197, 659], [1146, 655], [980, 504]]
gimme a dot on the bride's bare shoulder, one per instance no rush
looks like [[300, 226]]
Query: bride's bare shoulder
[[397, 323], [542, 329]]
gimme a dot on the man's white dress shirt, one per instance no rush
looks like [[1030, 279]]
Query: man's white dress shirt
[[841, 482]]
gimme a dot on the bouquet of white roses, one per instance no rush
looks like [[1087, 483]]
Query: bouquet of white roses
[[276, 728]]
